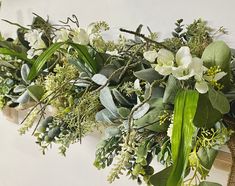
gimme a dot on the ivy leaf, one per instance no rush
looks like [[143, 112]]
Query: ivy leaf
[[182, 134], [160, 178], [218, 101], [206, 116]]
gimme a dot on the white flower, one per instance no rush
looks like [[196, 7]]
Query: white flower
[[150, 55], [61, 35], [113, 53], [80, 36], [34, 37], [170, 130], [165, 62], [201, 86]]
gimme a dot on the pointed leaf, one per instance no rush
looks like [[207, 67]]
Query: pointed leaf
[[36, 92]]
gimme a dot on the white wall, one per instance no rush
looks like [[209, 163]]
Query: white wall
[[21, 163]]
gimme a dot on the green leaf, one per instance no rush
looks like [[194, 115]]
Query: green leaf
[[218, 101], [106, 100], [42, 59], [80, 49], [150, 120], [36, 92], [171, 90], [206, 157], [19, 55], [206, 116], [219, 54], [124, 112], [182, 134], [120, 98], [149, 75], [207, 183], [24, 71], [160, 178], [85, 56]]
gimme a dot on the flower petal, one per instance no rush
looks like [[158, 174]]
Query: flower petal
[[150, 55], [163, 70], [201, 87], [219, 75], [183, 56], [165, 57]]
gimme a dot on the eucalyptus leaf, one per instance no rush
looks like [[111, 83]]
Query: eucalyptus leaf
[[99, 79], [218, 101], [141, 111], [111, 131], [124, 112], [105, 116], [149, 75], [23, 99], [218, 54], [106, 100], [19, 88], [120, 98], [25, 72], [150, 120]]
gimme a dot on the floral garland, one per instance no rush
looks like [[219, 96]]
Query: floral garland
[[168, 100]]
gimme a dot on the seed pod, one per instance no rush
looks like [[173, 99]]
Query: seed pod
[[54, 132]]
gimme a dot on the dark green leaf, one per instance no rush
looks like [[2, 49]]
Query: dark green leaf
[[218, 101], [160, 178], [206, 116]]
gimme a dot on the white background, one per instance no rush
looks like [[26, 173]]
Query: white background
[[21, 163]]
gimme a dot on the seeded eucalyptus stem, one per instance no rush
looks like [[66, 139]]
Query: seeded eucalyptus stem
[[145, 38]]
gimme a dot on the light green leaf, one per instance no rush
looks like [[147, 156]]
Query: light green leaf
[[36, 92], [207, 183], [42, 59], [206, 157], [183, 130], [124, 112], [19, 55], [218, 101], [218, 54]]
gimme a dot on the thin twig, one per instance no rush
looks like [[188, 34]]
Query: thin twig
[[145, 38]]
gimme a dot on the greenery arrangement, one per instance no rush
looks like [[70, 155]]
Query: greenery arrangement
[[172, 100]]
